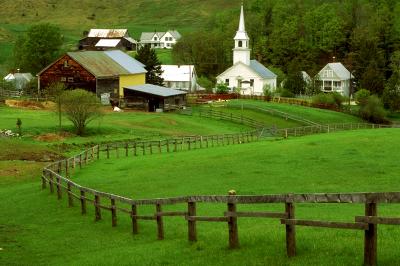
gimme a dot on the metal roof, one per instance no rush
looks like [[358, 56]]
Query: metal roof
[[108, 33], [261, 70], [108, 42], [148, 36], [340, 70], [177, 72], [130, 39], [104, 64], [155, 90], [126, 61]]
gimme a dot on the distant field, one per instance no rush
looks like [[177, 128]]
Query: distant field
[[316, 115], [38, 229]]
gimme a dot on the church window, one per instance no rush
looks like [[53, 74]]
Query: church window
[[251, 82], [227, 82], [240, 44]]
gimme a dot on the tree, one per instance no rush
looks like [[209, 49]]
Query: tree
[[148, 57], [55, 92], [391, 94], [38, 48], [81, 107]]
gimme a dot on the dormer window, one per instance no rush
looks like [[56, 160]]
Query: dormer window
[[155, 38], [240, 44]]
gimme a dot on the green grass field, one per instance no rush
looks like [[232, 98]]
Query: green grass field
[[38, 229], [316, 115]]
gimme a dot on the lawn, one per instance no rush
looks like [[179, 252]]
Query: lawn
[[115, 126], [320, 116], [38, 229]]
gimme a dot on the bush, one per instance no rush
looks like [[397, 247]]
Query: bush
[[268, 92], [338, 99], [361, 96], [373, 110], [205, 83], [222, 88], [286, 93]]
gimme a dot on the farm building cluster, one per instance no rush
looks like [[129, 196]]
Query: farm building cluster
[[103, 67]]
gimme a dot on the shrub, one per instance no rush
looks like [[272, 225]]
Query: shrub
[[338, 99], [361, 96], [222, 88], [391, 94], [205, 83], [268, 92], [286, 93], [373, 110], [324, 100]]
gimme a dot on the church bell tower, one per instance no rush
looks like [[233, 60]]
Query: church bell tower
[[241, 52]]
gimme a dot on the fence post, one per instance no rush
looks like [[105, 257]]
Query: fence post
[[144, 148], [192, 224], [134, 219], [126, 149], [116, 150], [51, 184], [70, 198], [97, 211], [59, 191], [43, 180], [134, 148], [151, 147], [83, 202], [108, 151], [98, 152], [113, 213], [92, 153], [290, 231], [232, 223], [159, 146], [160, 226], [67, 168], [176, 145], [86, 157], [80, 161], [167, 145], [370, 236]]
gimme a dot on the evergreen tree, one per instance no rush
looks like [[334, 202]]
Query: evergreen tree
[[148, 57]]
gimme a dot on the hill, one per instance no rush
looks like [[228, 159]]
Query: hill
[[74, 17]]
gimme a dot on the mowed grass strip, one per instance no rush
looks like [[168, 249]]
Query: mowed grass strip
[[316, 115]]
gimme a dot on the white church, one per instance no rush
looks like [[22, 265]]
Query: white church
[[248, 75]]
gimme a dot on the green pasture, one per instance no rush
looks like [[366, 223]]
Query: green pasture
[[320, 116], [116, 126], [38, 229]]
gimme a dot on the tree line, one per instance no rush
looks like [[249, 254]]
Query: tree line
[[304, 35]]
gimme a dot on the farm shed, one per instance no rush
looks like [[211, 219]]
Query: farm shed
[[19, 80], [102, 39], [96, 71], [150, 97]]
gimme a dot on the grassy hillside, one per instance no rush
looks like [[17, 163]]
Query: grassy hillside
[[38, 229], [74, 17]]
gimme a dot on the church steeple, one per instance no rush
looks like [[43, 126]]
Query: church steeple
[[241, 52]]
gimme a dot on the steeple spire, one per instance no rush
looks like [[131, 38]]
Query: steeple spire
[[241, 21], [241, 52]]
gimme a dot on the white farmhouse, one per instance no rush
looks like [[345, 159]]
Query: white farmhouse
[[250, 76], [160, 39], [334, 77], [181, 77]]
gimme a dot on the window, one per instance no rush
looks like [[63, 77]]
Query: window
[[70, 79], [66, 63], [252, 82], [227, 82], [177, 101], [337, 84], [168, 44], [155, 38], [240, 44], [63, 79]]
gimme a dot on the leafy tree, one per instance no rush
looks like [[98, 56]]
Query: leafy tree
[[55, 92], [362, 96], [391, 94], [373, 110], [205, 83], [38, 48], [81, 107], [148, 57]]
